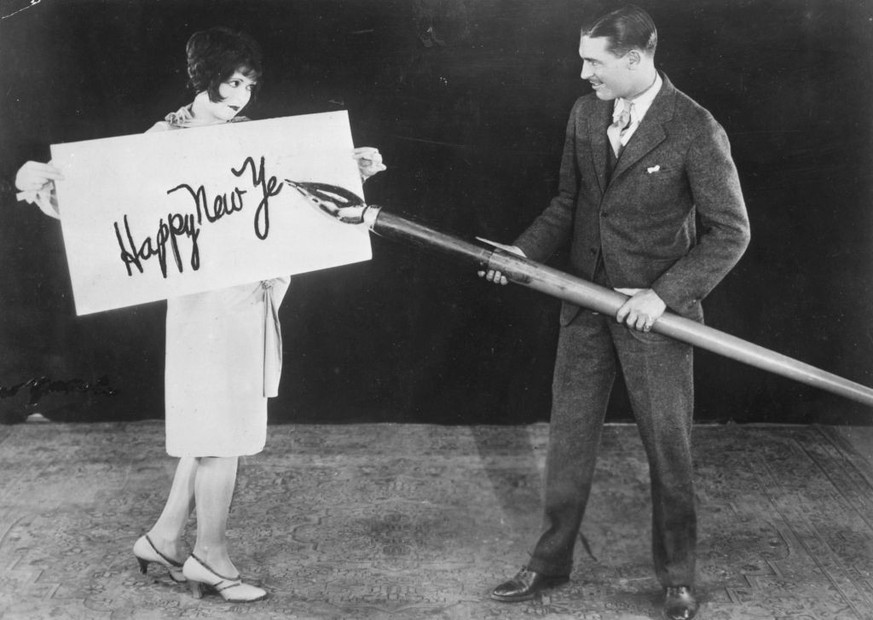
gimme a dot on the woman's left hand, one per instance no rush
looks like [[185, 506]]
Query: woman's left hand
[[369, 161]]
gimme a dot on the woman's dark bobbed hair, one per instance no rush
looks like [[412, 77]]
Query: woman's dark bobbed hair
[[215, 54]]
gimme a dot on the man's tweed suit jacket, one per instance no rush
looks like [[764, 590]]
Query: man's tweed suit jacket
[[675, 174]]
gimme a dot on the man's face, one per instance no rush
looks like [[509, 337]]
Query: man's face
[[609, 75]]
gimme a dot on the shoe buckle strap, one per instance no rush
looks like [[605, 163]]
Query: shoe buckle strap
[[169, 561]]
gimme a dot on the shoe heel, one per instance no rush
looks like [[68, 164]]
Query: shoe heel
[[146, 553], [196, 590]]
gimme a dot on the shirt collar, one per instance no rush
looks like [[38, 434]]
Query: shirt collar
[[642, 102]]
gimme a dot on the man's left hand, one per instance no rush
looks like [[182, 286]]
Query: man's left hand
[[642, 309]]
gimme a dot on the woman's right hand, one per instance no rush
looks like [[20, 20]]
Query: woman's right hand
[[34, 176], [36, 184]]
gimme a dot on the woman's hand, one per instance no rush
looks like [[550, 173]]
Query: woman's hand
[[34, 176], [369, 161], [36, 184]]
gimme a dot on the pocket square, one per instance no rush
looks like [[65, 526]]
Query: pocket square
[[652, 169]]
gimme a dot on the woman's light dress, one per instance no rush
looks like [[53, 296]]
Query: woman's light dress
[[223, 360]]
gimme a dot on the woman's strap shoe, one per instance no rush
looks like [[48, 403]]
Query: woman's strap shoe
[[231, 589]]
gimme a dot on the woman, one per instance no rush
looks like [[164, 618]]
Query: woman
[[223, 354]]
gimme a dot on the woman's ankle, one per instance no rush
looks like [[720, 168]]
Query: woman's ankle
[[217, 560], [171, 546]]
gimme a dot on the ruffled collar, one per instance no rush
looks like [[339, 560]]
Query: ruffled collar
[[184, 119]]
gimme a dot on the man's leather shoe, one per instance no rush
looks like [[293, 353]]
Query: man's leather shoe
[[525, 585], [680, 604]]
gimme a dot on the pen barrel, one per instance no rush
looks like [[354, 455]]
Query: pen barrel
[[593, 297], [401, 229]]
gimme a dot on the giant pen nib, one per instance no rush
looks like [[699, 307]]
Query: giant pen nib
[[337, 202]]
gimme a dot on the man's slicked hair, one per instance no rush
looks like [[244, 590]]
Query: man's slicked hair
[[627, 28]]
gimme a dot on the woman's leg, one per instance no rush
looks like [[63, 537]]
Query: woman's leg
[[167, 532], [213, 489]]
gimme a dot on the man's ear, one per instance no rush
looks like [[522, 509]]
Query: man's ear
[[634, 59]]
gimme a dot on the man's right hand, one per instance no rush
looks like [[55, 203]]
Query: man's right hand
[[492, 275]]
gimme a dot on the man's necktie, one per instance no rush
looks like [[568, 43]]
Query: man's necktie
[[618, 127]]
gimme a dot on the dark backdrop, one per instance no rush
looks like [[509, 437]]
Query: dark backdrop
[[467, 100]]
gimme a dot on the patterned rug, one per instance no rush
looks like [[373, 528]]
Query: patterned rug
[[418, 522]]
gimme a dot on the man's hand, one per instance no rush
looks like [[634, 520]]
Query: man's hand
[[492, 275], [641, 310]]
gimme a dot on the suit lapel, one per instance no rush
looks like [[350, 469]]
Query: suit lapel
[[651, 132], [597, 124]]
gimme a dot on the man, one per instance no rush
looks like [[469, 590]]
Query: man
[[643, 167]]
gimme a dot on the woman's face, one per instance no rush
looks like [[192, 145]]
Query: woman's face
[[235, 93]]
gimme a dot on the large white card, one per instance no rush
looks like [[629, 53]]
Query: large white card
[[163, 214]]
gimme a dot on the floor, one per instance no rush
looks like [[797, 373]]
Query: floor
[[860, 438], [418, 522]]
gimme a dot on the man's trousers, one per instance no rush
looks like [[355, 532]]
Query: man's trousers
[[658, 372]]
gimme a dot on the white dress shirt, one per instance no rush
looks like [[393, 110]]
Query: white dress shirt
[[641, 104]]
